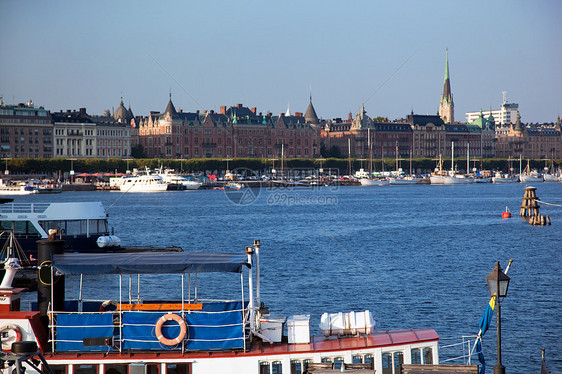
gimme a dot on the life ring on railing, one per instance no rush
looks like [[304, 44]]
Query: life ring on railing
[[107, 303], [12, 338], [170, 317]]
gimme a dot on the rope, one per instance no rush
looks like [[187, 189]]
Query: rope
[[544, 202]]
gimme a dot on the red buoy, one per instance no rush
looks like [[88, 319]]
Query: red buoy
[[507, 213]]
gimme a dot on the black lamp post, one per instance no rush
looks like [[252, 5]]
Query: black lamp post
[[498, 283]]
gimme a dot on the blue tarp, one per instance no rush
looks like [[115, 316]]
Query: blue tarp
[[148, 263], [73, 328], [217, 327]]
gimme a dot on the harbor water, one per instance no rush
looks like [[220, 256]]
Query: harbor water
[[416, 256]]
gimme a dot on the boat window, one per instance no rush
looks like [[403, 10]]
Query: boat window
[[326, 360], [115, 369], [74, 227], [85, 369], [264, 367], [296, 367], [276, 367], [21, 228], [368, 359], [98, 226], [357, 359], [178, 368], [338, 362], [391, 362], [48, 225], [416, 356], [152, 369], [59, 369], [427, 356]]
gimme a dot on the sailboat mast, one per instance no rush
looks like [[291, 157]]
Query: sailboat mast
[[349, 155], [452, 157], [468, 158], [370, 152]]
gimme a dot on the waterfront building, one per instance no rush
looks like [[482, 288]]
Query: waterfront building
[[531, 141], [25, 131], [77, 134], [503, 117], [447, 106], [352, 137], [238, 131], [487, 128]]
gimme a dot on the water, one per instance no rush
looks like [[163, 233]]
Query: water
[[416, 256]]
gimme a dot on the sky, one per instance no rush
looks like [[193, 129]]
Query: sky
[[386, 54]]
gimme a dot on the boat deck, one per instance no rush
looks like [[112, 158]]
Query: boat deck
[[318, 343]]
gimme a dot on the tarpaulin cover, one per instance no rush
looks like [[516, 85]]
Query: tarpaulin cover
[[73, 328], [148, 262], [220, 329]]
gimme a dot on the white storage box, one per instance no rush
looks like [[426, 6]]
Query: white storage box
[[298, 329], [272, 327], [351, 323]]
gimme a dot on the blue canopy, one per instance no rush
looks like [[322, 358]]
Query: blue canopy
[[148, 263]]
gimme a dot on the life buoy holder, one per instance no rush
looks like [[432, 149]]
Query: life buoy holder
[[170, 317], [107, 303], [12, 338]]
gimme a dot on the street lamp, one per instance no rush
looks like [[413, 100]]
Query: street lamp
[[498, 283]]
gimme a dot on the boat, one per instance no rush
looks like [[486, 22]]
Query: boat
[[457, 179], [233, 186], [550, 175], [528, 175], [404, 180], [16, 189], [134, 333], [143, 183], [374, 181], [81, 224], [438, 175], [505, 178], [178, 182]]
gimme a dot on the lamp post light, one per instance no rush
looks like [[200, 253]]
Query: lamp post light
[[498, 283]]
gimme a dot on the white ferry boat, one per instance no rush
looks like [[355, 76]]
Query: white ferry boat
[[81, 224], [16, 189], [143, 183], [133, 334]]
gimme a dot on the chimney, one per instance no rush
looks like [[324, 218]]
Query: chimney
[[180, 111], [223, 109], [82, 111], [281, 114], [212, 111], [197, 111], [238, 106], [298, 114], [205, 112], [254, 110]]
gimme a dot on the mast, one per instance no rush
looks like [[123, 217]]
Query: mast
[[349, 155], [370, 152], [396, 154], [467, 158], [452, 157]]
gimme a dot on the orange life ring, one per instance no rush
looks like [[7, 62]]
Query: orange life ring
[[107, 303], [170, 317], [7, 343]]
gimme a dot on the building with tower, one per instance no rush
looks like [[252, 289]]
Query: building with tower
[[447, 106]]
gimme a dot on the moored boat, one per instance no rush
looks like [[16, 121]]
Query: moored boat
[[81, 224], [374, 181], [16, 189], [143, 183], [195, 335], [505, 178], [407, 180]]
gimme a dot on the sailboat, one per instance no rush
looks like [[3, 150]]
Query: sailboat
[[549, 174], [370, 180], [438, 176], [399, 179], [500, 177], [528, 175], [453, 177]]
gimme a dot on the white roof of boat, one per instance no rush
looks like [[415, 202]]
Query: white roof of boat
[[53, 211]]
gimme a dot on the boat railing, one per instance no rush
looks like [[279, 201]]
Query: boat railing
[[457, 349], [24, 207], [210, 325]]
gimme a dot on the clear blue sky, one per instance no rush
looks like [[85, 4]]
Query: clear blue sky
[[388, 54]]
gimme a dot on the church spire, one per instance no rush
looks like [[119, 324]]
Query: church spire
[[447, 106]]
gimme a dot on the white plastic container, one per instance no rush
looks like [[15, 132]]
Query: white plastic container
[[272, 327], [298, 329], [351, 323]]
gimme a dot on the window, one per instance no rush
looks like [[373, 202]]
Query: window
[[275, 367], [427, 356], [178, 368], [85, 369]]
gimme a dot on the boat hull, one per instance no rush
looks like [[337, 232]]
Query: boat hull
[[505, 179], [374, 182], [457, 180], [404, 181], [530, 178]]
